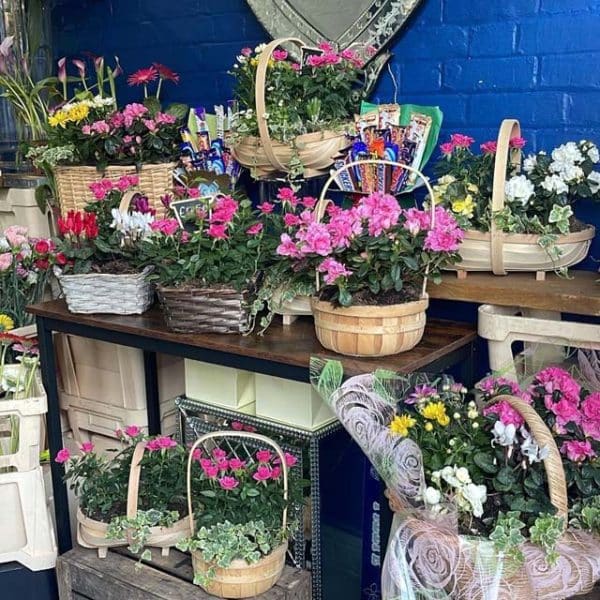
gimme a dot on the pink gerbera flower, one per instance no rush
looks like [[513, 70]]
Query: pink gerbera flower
[[143, 76], [166, 73]]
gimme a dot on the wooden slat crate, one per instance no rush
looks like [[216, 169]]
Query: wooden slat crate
[[83, 576]]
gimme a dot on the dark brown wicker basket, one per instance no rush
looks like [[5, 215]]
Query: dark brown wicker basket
[[204, 310]]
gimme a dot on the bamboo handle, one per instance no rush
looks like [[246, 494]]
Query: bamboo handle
[[133, 487], [236, 434], [555, 473], [126, 201], [261, 107], [323, 203], [508, 129]]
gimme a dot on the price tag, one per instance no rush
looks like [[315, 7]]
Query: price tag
[[182, 208]]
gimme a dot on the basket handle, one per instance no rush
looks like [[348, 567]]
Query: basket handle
[[509, 129], [323, 203], [126, 201], [555, 473], [237, 434], [133, 487], [261, 106]]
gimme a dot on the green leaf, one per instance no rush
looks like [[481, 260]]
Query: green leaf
[[208, 493], [177, 109], [485, 462], [506, 476], [330, 377], [152, 104]]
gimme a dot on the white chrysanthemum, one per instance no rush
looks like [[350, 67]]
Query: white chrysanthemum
[[554, 183], [519, 189], [593, 180], [529, 163], [432, 496]]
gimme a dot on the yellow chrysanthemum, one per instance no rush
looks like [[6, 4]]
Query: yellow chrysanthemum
[[400, 425], [58, 118], [464, 207], [436, 411], [6, 323], [428, 426], [78, 112]]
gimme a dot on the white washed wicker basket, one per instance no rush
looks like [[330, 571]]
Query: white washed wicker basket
[[130, 294]]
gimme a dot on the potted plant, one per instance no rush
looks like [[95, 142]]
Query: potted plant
[[134, 497], [239, 529], [277, 128], [25, 270], [207, 273], [373, 259], [518, 214], [99, 270], [479, 489]]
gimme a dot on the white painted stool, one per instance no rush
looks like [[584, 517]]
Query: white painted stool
[[542, 330]]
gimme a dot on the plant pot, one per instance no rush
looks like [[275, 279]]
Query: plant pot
[[204, 310], [123, 294], [370, 330], [243, 580]]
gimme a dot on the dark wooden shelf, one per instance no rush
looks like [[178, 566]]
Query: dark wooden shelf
[[579, 294]]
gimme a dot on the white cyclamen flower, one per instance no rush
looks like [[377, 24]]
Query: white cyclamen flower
[[476, 495], [462, 475], [554, 183], [519, 189], [530, 449], [593, 180], [504, 434], [529, 163], [432, 496], [567, 154]]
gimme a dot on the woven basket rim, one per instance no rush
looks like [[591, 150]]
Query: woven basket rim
[[583, 235], [78, 276], [114, 167]]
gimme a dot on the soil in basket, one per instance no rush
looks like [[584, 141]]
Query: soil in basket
[[367, 298], [115, 267]]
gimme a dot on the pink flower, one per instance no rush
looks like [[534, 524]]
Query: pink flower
[[309, 202], [132, 431], [262, 473], [517, 142], [555, 379], [165, 226], [286, 194], [132, 112], [280, 55], [205, 463], [591, 428], [237, 426], [219, 453], [223, 464], [291, 220], [254, 229], [591, 407], [506, 413], [197, 455], [264, 455], [333, 269], [166, 442], [326, 47], [247, 51], [211, 471], [235, 464], [331, 58], [577, 451], [249, 428], [6, 259], [344, 224], [266, 208], [118, 120], [447, 148], [16, 235], [316, 240], [275, 472], [416, 220], [566, 412], [119, 433], [125, 182], [381, 210], [228, 483], [489, 147], [217, 231], [224, 209], [442, 241], [287, 247], [100, 127], [87, 447], [150, 125], [461, 141], [315, 60], [290, 460], [348, 54], [86, 129], [165, 119], [296, 67], [63, 456]]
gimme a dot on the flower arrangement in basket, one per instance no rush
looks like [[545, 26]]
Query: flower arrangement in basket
[[373, 260], [25, 269], [293, 112], [499, 494], [240, 527], [518, 214], [131, 497], [99, 270], [206, 273]]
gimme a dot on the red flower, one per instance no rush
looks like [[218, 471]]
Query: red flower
[[142, 76], [166, 73], [42, 264], [77, 223], [42, 247], [60, 259]]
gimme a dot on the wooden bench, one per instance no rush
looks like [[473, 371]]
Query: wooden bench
[[83, 576]]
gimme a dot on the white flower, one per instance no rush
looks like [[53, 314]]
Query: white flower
[[476, 495], [134, 225], [530, 449], [32, 278], [529, 163], [449, 476], [432, 496], [462, 474], [565, 155], [241, 59], [472, 413], [4, 245], [572, 173], [504, 434], [554, 183], [435, 476], [519, 189], [593, 153], [259, 48], [593, 181]]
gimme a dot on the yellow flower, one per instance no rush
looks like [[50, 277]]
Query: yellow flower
[[428, 426], [402, 424], [77, 112], [254, 61], [474, 189], [436, 411], [6, 323], [58, 118], [464, 207]]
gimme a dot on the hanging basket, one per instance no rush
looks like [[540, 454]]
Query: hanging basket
[[204, 309], [264, 156], [72, 183], [241, 579], [501, 252], [93, 534]]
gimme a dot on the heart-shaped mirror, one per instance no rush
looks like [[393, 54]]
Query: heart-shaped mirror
[[344, 22]]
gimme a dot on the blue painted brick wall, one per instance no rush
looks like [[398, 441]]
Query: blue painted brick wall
[[479, 60]]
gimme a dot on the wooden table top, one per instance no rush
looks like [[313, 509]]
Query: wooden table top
[[290, 345], [580, 294]]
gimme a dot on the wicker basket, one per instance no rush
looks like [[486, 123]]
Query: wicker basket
[[204, 309], [240, 579], [73, 183], [266, 157], [93, 534], [501, 252]]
